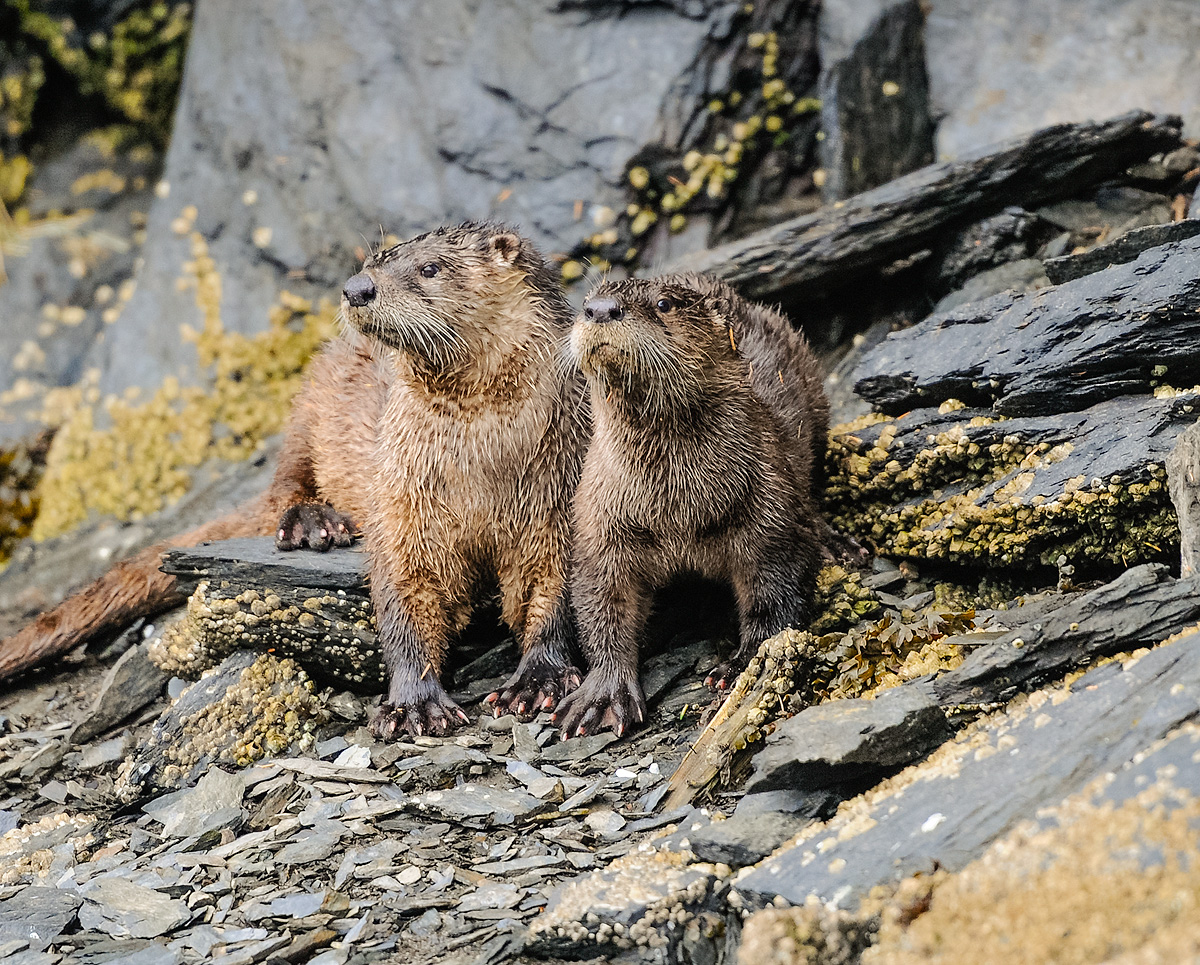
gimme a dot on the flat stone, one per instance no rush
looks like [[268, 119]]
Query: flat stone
[[123, 909], [37, 916], [289, 906], [477, 804], [847, 740], [311, 847], [745, 840], [578, 748], [131, 684], [1120, 251], [215, 802]]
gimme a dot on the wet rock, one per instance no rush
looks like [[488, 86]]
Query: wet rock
[[1012, 235], [1023, 275], [846, 741], [874, 95], [1062, 349], [872, 230], [745, 839], [1120, 251], [131, 684], [948, 809]]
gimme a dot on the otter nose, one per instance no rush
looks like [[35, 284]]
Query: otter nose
[[601, 310], [359, 290]]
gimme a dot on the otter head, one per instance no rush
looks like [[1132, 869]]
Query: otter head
[[662, 339], [451, 298]]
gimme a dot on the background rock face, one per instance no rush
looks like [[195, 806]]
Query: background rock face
[[1005, 67], [342, 117]]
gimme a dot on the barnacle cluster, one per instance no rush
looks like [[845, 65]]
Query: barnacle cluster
[[20, 472], [272, 706], [761, 112], [841, 600], [331, 633], [964, 497], [143, 459], [813, 933]]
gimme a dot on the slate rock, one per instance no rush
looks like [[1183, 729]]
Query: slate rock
[[847, 740], [1058, 350], [1002, 68], [478, 805], [215, 802], [123, 909], [131, 684], [37, 915], [838, 246], [948, 809], [1183, 478], [1011, 235], [1120, 251], [745, 839], [874, 96], [1023, 275]]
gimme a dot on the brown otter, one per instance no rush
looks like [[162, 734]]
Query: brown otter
[[710, 426], [478, 451], [451, 429]]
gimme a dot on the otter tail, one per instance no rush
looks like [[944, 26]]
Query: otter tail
[[134, 588]]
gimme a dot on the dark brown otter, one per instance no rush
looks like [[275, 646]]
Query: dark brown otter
[[710, 426], [451, 428], [477, 452]]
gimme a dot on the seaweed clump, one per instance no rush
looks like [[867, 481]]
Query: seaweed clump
[[143, 460]]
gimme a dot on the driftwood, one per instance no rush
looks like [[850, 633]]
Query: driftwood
[[841, 244]]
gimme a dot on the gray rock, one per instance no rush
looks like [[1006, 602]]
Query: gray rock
[[847, 740], [123, 909], [874, 95], [1183, 478], [311, 846], [947, 810], [745, 839], [215, 802], [1023, 275], [1124, 249], [478, 806], [404, 116], [999, 69], [37, 915], [131, 684], [1061, 349]]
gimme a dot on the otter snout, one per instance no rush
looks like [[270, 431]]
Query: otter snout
[[602, 309], [359, 290]]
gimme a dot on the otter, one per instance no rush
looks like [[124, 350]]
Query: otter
[[478, 450], [444, 423], [709, 432]]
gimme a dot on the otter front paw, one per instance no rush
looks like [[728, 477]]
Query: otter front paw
[[316, 525], [434, 714], [537, 685], [604, 701]]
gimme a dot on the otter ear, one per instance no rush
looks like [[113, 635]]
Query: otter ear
[[504, 247]]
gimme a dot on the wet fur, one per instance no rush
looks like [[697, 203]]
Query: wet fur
[[710, 423]]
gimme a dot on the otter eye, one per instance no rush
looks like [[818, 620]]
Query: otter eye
[[664, 305], [428, 271]]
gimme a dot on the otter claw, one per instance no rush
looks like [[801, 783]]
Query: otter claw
[[316, 525]]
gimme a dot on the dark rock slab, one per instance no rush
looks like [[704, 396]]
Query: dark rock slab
[[131, 684], [870, 231], [1124, 249], [37, 915], [847, 740], [874, 97], [1011, 235], [745, 839], [256, 560], [1117, 332], [960, 485], [947, 810]]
